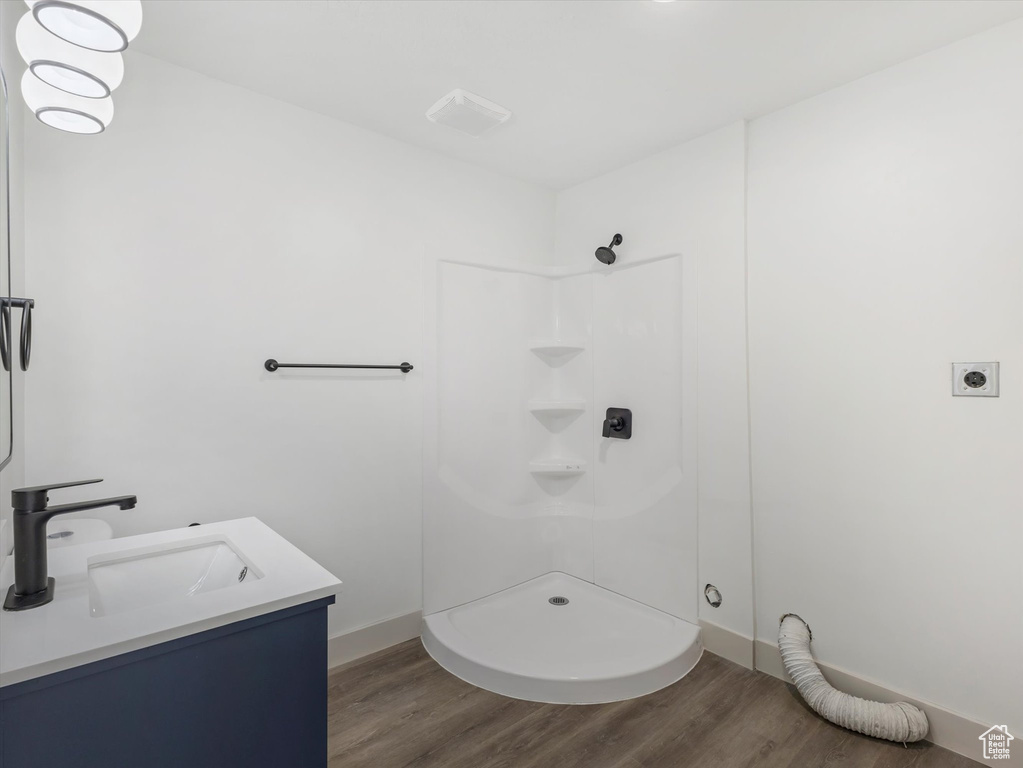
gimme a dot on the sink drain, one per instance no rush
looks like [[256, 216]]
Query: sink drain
[[243, 574], [558, 600]]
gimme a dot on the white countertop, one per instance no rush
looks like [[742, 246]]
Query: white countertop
[[63, 634]]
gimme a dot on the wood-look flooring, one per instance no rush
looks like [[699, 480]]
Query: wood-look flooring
[[400, 708]]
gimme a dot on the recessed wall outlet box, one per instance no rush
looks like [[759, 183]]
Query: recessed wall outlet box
[[466, 112], [975, 379]]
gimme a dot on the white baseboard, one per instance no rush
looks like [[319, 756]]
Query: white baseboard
[[948, 729], [727, 644], [351, 646]]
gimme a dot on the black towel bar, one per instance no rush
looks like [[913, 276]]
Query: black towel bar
[[272, 365]]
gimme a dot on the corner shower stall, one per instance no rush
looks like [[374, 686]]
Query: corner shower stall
[[560, 564]]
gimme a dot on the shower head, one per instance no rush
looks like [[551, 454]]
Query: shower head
[[605, 254]]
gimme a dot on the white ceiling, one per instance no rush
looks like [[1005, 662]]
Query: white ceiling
[[593, 85]]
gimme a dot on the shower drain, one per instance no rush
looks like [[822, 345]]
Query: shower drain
[[558, 600]]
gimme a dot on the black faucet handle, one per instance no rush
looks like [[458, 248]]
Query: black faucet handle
[[54, 486], [34, 498]]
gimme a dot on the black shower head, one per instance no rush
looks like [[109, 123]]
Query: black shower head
[[605, 254]]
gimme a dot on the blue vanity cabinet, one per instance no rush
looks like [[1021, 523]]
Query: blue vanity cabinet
[[252, 694]]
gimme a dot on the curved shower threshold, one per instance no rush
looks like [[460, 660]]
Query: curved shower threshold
[[596, 648]]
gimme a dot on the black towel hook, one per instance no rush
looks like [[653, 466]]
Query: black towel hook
[[6, 331], [26, 334], [5, 335]]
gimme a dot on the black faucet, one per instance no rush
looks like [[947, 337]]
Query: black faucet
[[32, 586]]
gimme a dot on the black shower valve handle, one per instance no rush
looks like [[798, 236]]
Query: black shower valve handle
[[618, 423]]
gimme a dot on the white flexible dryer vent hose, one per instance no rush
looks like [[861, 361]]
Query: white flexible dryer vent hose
[[896, 722]]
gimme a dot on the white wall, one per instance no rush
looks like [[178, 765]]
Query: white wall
[[690, 200], [209, 229], [13, 475], [885, 228]]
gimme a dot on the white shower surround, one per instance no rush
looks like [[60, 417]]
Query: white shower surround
[[522, 494]]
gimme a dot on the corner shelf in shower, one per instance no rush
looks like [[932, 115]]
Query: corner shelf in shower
[[556, 351], [557, 407], [557, 466]]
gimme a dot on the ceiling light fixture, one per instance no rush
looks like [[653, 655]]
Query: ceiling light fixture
[[63, 110], [99, 25], [65, 66], [468, 113]]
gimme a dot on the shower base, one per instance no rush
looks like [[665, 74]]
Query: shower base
[[598, 647]]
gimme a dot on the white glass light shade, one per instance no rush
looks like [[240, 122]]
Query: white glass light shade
[[63, 110], [66, 66], [99, 25]]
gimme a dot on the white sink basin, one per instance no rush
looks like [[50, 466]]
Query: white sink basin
[[138, 578]]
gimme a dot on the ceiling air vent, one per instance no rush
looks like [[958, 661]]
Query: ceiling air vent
[[467, 112]]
